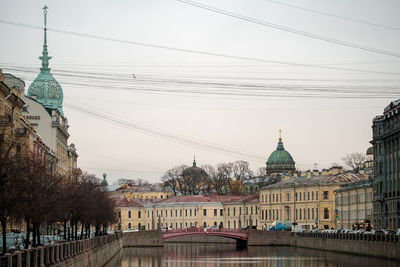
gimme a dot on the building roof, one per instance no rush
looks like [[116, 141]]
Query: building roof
[[370, 150], [391, 105], [124, 202], [341, 179], [203, 199]]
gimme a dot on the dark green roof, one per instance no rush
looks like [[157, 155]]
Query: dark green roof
[[280, 156]]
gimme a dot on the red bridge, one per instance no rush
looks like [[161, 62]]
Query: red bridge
[[230, 233]]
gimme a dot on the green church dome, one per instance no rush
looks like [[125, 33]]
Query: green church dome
[[45, 88], [280, 161], [280, 156]]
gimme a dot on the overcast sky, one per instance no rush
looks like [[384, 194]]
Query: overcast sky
[[136, 110]]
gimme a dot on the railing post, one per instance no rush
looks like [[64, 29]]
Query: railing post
[[35, 257], [9, 259], [41, 256], [50, 259], [61, 252], [69, 250], [28, 257], [19, 258], [65, 251], [57, 254]]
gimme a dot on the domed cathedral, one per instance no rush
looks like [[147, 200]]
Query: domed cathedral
[[193, 178], [194, 171], [44, 111], [280, 161]]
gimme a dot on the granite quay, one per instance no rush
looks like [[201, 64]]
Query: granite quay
[[99, 250]]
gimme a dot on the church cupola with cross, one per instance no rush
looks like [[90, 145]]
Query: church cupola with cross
[[280, 161], [45, 89]]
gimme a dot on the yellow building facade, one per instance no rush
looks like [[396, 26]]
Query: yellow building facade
[[242, 213], [307, 201], [180, 212]]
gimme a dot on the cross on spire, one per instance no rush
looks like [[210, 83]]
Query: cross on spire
[[280, 135], [45, 54], [45, 15]]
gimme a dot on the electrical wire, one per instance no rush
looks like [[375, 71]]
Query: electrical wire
[[199, 52], [287, 29], [334, 15]]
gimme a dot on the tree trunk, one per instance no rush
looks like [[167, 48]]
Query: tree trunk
[[38, 234], [3, 228], [76, 230], [65, 230], [28, 234], [34, 235]]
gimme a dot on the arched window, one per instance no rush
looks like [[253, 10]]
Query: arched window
[[129, 215], [234, 224], [215, 223], [140, 226], [229, 224], [204, 224], [129, 225]]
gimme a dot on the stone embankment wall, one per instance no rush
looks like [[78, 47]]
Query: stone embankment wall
[[95, 257], [269, 238], [150, 238], [201, 239], [377, 248], [91, 252]]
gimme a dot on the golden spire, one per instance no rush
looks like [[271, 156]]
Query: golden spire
[[280, 135]]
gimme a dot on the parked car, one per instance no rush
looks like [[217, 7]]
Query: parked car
[[131, 230], [11, 243], [377, 232], [398, 232]]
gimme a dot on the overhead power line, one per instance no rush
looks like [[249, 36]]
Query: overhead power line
[[334, 15], [287, 29], [199, 52], [162, 133], [216, 86]]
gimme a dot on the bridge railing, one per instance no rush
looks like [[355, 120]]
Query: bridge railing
[[52, 254], [352, 236], [202, 229]]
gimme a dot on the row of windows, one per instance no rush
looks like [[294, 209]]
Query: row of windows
[[171, 213], [300, 214], [240, 211], [299, 196]]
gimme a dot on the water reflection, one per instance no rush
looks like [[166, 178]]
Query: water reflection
[[205, 255]]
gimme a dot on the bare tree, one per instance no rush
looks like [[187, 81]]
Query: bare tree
[[10, 170], [354, 160], [241, 170], [173, 179]]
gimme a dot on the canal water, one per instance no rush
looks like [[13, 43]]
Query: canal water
[[205, 255]]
